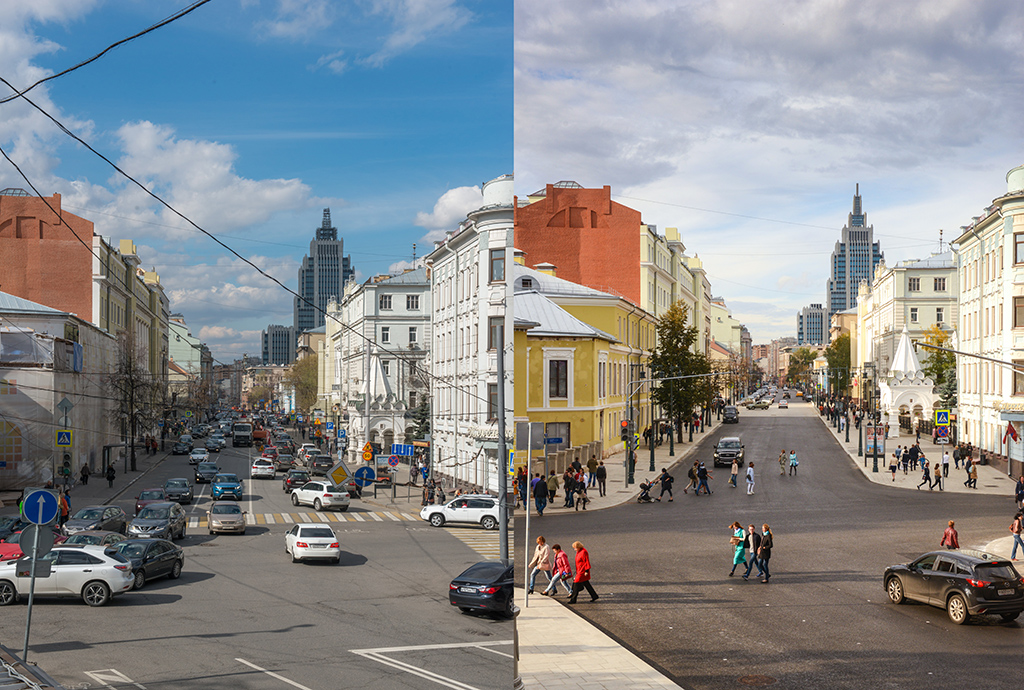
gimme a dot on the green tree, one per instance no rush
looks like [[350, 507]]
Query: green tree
[[302, 377], [800, 362], [947, 390], [939, 363], [675, 356], [421, 419], [260, 393], [838, 356]]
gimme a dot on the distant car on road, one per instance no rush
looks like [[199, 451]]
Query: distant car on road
[[319, 464], [759, 405], [729, 448], [180, 448], [95, 538], [294, 479], [165, 520], [206, 471], [108, 517], [225, 516], [730, 415], [283, 463], [216, 443], [311, 541], [783, 405], [480, 509], [485, 586], [152, 558], [263, 467], [147, 496], [178, 489], [198, 455]]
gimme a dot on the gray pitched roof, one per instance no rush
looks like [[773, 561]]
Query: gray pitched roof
[[417, 275], [13, 304], [551, 285], [552, 320]]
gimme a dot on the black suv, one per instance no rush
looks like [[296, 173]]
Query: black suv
[[729, 448], [321, 464], [966, 583], [730, 415]]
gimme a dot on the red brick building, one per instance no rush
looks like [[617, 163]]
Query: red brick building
[[591, 239], [41, 260]]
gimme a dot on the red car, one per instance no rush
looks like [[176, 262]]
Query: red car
[[147, 496], [270, 452], [10, 549]]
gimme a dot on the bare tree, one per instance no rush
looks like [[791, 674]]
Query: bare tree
[[138, 394]]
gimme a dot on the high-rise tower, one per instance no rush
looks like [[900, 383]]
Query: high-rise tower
[[853, 260], [323, 274]]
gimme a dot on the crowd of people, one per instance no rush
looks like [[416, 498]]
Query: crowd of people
[[554, 564], [575, 483], [752, 549]]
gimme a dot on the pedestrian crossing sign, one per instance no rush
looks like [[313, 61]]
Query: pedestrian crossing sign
[[941, 417], [64, 438]]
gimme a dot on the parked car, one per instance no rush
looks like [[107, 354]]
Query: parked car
[[180, 448], [306, 450], [730, 414], [160, 521], [151, 558], [94, 573], [178, 489], [198, 455], [283, 463], [728, 449], [759, 405], [478, 509], [147, 496], [10, 524], [312, 541], [484, 586], [226, 485], [293, 479], [322, 495], [966, 583], [10, 547], [225, 516], [262, 467], [107, 517], [95, 538], [206, 471]]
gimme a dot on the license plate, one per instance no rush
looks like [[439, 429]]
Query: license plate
[[468, 590], [319, 546], [1005, 592]]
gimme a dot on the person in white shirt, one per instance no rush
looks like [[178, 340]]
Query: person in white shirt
[[945, 464], [750, 479]]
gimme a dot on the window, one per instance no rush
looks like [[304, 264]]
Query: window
[[495, 332], [914, 284], [412, 302], [385, 366], [558, 378], [940, 285], [1018, 377], [1018, 312], [385, 302], [412, 335], [497, 271], [492, 402], [527, 283], [412, 400], [939, 315], [913, 315], [385, 334]]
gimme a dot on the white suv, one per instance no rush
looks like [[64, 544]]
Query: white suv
[[262, 467], [322, 495], [95, 573], [475, 508]]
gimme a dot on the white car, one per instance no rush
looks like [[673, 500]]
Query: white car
[[262, 467], [93, 573], [305, 450], [479, 509], [783, 404], [322, 495], [309, 540], [198, 455]]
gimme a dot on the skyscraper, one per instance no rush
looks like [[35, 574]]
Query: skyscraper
[[278, 344], [323, 274], [853, 260], [810, 326]]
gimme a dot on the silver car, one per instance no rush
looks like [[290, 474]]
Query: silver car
[[225, 516], [322, 495], [94, 573]]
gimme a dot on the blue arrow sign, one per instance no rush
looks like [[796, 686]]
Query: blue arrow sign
[[402, 449], [40, 507], [365, 476]]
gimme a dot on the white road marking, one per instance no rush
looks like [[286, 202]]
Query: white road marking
[[395, 519], [193, 522], [358, 517], [111, 674], [269, 517], [378, 656], [286, 517], [273, 675], [249, 519], [376, 517], [407, 516]]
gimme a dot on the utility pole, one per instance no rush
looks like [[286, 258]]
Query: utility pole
[[503, 453]]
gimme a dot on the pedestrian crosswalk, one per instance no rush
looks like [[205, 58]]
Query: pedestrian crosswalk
[[485, 543], [291, 518]]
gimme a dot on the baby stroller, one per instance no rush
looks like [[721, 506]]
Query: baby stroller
[[645, 492]]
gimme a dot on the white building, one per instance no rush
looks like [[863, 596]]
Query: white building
[[471, 320], [374, 359]]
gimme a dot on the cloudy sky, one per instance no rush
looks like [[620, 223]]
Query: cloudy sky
[[252, 116], [747, 125]]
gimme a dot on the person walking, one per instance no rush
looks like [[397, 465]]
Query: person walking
[[85, 475], [739, 544], [569, 486], [702, 477], [892, 465], [665, 479], [591, 472], [905, 459], [540, 495], [936, 475], [602, 478], [972, 483], [691, 474], [523, 482], [581, 496], [1018, 492], [915, 453], [950, 539], [782, 462], [561, 573], [753, 545], [764, 552], [540, 563], [793, 462], [926, 476], [1016, 529], [64, 508], [750, 479], [552, 486], [945, 465], [735, 470], [111, 473], [956, 457], [582, 579]]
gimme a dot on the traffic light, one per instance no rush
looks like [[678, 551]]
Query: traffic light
[[625, 433]]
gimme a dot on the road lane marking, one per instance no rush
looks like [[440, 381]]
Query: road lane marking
[[358, 517], [273, 675], [269, 517], [286, 517], [407, 516], [378, 656], [111, 674], [376, 517]]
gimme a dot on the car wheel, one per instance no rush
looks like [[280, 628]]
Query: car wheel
[[894, 588], [211, 532], [1007, 617], [437, 520], [489, 522], [294, 558], [8, 594], [295, 500], [96, 593], [510, 607], [956, 607], [140, 580], [317, 505], [175, 570]]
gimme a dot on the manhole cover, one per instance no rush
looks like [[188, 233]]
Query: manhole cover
[[758, 681]]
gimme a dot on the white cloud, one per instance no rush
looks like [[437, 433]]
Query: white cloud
[[402, 266], [449, 211], [413, 22], [297, 19], [333, 62]]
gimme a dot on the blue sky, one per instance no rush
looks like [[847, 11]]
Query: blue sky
[[251, 116]]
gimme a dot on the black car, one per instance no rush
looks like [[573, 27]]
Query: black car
[[294, 479], [178, 490], [729, 448], [107, 518], [206, 471], [730, 415], [966, 583], [485, 586], [283, 463], [180, 448], [152, 558], [166, 520], [321, 464]]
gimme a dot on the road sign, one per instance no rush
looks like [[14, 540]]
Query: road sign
[[160, 423], [40, 507], [342, 433], [393, 461], [405, 449], [24, 568], [188, 413], [511, 464], [365, 476], [368, 448], [941, 417], [27, 538], [65, 405], [551, 440], [338, 473], [368, 455], [64, 437], [330, 426]]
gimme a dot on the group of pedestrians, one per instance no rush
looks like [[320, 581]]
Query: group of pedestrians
[[698, 476], [752, 549], [554, 563]]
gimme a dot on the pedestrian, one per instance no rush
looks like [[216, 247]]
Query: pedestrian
[[973, 481], [691, 474], [782, 462], [956, 457], [950, 539], [569, 485], [735, 470], [905, 459], [665, 479], [750, 479], [918, 434], [1016, 529], [602, 478], [591, 472], [540, 495], [1018, 492], [702, 477], [936, 475], [582, 579], [926, 476], [892, 465], [540, 563], [111, 473], [561, 573], [793, 462], [764, 552], [581, 496], [647, 436], [915, 453], [945, 465], [753, 545], [739, 543], [85, 474], [64, 508], [552, 486], [523, 483]]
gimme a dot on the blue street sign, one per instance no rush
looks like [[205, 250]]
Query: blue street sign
[[40, 507], [365, 476], [160, 423], [63, 437], [393, 461], [3, 463], [330, 426], [342, 433], [402, 449], [941, 417], [553, 439]]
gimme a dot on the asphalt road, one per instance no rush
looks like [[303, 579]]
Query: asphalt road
[[244, 617], [824, 621]]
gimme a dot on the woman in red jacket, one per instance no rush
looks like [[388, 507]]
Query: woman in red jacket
[[950, 539], [582, 579]]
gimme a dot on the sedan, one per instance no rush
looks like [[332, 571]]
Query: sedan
[[225, 486], [178, 489], [216, 443], [307, 541], [147, 496], [160, 521], [263, 467], [293, 479], [9, 524], [783, 405], [283, 463], [486, 586], [206, 471], [198, 455], [225, 516], [109, 518], [151, 558], [94, 573], [180, 448], [322, 495], [319, 464], [95, 538], [270, 452]]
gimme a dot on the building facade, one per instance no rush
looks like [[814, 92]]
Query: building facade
[[810, 325], [853, 260], [278, 344], [322, 275]]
